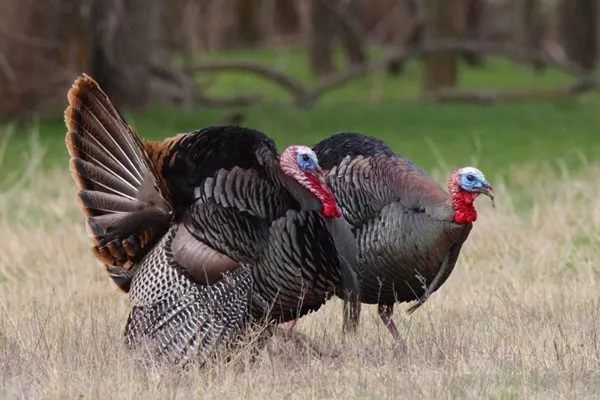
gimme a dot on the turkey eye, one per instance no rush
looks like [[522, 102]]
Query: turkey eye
[[305, 157], [470, 178]]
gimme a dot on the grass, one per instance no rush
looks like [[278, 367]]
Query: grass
[[518, 318], [496, 139]]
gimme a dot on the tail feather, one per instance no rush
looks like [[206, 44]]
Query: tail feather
[[85, 147], [124, 199], [94, 178], [109, 134], [108, 202]]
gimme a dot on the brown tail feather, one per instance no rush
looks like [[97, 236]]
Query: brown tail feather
[[122, 196]]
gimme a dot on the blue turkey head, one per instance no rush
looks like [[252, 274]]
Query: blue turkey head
[[473, 180], [307, 159]]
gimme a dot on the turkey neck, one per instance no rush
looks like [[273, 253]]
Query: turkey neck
[[305, 197], [312, 195], [314, 199]]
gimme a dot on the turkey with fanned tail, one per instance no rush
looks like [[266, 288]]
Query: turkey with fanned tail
[[409, 231], [208, 230]]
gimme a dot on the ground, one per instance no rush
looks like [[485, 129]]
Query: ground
[[518, 318]]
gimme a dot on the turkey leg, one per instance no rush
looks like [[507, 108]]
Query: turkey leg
[[385, 313]]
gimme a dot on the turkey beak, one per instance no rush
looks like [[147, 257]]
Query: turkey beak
[[488, 190]]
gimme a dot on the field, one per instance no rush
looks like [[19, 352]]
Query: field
[[518, 318]]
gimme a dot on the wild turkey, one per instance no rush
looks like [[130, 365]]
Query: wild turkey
[[408, 229], [206, 229]]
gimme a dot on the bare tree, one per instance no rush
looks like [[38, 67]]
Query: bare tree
[[320, 38], [124, 38], [249, 24], [287, 18], [352, 30], [409, 36], [472, 26], [42, 46], [440, 69], [579, 28], [533, 28]]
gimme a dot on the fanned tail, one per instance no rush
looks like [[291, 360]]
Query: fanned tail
[[120, 193]]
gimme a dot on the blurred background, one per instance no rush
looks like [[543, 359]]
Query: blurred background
[[509, 86], [496, 83]]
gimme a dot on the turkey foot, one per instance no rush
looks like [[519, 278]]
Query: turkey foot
[[306, 342], [385, 313]]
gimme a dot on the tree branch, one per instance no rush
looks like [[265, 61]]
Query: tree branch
[[185, 85], [307, 97], [7, 70], [341, 11], [512, 52], [287, 82], [491, 98], [188, 94], [387, 22]]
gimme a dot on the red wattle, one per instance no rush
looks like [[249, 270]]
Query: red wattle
[[324, 194], [464, 210], [331, 211]]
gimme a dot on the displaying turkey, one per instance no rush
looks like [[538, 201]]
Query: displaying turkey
[[408, 229], [205, 230]]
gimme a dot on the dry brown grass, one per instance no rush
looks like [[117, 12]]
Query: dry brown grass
[[519, 317]]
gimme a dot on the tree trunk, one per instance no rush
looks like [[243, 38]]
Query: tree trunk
[[473, 18], [579, 31], [42, 47], [320, 38], [532, 31], [249, 26], [352, 31], [409, 36], [267, 20], [440, 69], [221, 23], [124, 35], [287, 18]]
